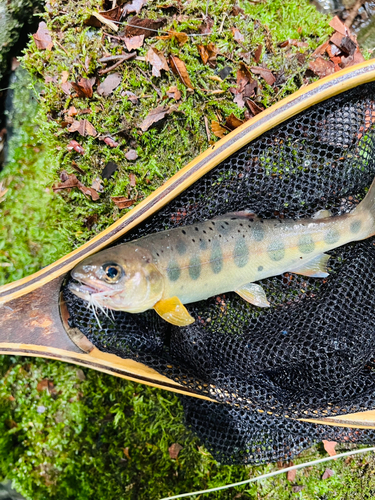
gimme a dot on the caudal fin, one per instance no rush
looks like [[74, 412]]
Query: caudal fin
[[368, 203]]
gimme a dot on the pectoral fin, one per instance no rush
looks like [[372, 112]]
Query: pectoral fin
[[316, 268], [173, 311], [322, 214], [254, 294]]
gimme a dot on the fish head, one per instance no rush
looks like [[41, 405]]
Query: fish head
[[122, 278]]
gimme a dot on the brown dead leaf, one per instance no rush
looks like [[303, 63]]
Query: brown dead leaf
[[46, 385], [237, 35], [66, 88], [72, 111], [95, 17], [253, 107], [135, 6], [319, 51], [126, 452], [122, 202], [157, 61], [77, 168], [243, 77], [174, 93], [83, 87], [131, 155], [207, 25], [154, 116], [83, 127], [257, 53], [70, 181], [89, 222], [233, 122], [291, 474], [344, 43], [328, 473], [180, 36], [329, 446], [137, 25], [112, 14], [131, 96], [76, 146], [134, 42], [339, 26], [265, 73], [42, 37], [132, 180], [297, 488], [179, 68], [208, 54], [64, 76], [321, 67], [109, 84], [218, 130], [174, 450]]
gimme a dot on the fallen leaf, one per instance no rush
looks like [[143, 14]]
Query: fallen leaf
[[179, 68], [174, 450], [70, 181], [157, 61], [233, 122], [344, 43], [42, 37], [321, 67], [319, 51], [135, 6], [104, 20], [46, 385], [80, 373], [265, 73], [237, 35], [208, 54], [291, 475], [297, 488], [15, 64], [72, 111], [110, 142], [356, 58], [77, 168], [180, 36], [131, 96], [112, 14], [66, 88], [89, 222], [83, 87], [217, 129], [134, 42], [207, 25], [329, 446], [174, 93], [131, 155], [122, 202], [126, 452], [109, 84], [64, 76], [76, 146], [133, 180], [83, 127], [339, 26], [328, 473], [154, 116], [97, 184], [254, 108], [144, 26], [239, 100], [243, 77], [109, 170], [257, 53]]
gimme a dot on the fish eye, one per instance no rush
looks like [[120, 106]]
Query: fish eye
[[113, 272]]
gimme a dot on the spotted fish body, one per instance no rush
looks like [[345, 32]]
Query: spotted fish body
[[228, 253]]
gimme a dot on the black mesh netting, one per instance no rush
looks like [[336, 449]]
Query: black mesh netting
[[312, 353]]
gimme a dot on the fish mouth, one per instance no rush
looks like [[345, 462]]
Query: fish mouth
[[85, 291]]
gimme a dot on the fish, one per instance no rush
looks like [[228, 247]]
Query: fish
[[230, 253]]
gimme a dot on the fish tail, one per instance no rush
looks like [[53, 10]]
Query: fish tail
[[366, 209]]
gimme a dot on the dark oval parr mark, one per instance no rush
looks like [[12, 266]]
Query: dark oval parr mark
[[276, 250]]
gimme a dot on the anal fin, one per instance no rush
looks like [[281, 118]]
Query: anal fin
[[315, 268], [254, 294], [173, 311]]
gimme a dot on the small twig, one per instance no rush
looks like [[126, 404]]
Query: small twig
[[122, 57], [61, 47], [113, 36], [207, 5], [353, 13], [207, 128], [114, 66], [222, 23], [150, 82]]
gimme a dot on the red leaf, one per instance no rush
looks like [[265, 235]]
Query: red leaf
[[110, 142], [112, 14], [131, 155], [258, 53], [42, 37], [321, 67], [133, 180], [339, 26], [76, 146], [291, 475]]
